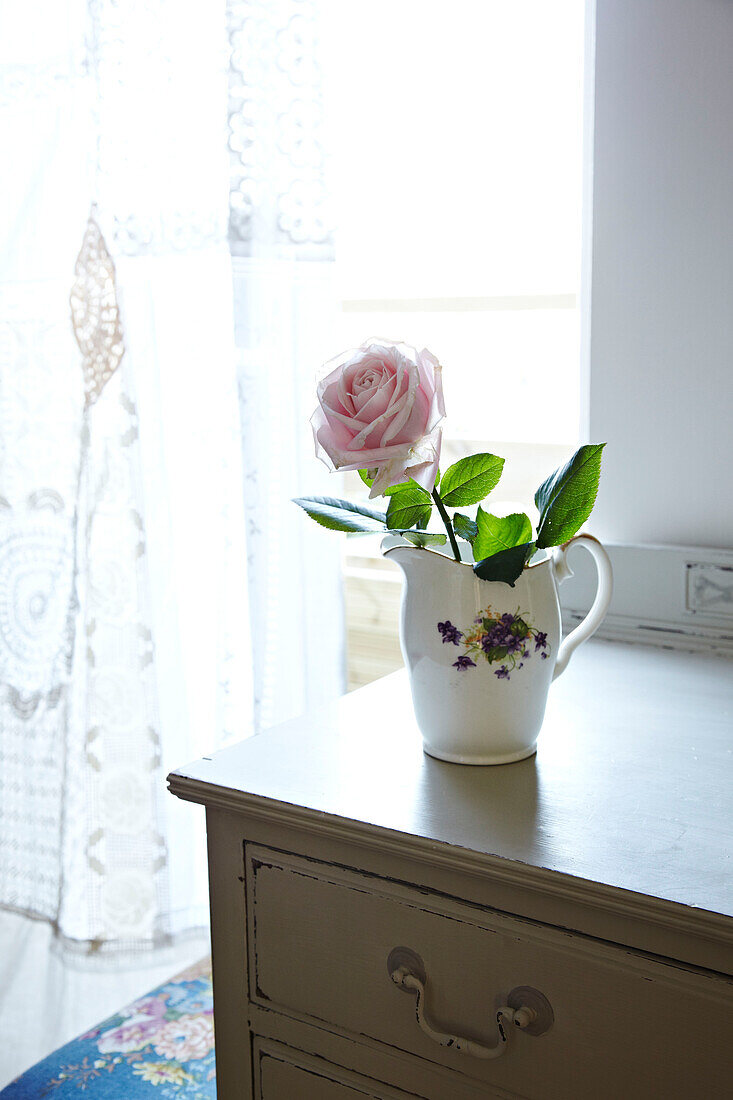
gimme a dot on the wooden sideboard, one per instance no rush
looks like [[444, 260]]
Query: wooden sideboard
[[594, 878]]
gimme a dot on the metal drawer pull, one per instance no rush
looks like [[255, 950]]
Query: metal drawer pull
[[527, 1008]]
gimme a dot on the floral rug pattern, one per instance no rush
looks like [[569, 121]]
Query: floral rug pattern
[[160, 1046], [497, 637]]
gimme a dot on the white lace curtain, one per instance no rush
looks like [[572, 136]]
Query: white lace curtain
[[281, 239], [145, 464]]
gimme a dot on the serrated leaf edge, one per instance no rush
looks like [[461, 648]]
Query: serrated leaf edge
[[466, 484]]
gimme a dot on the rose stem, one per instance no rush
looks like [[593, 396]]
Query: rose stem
[[448, 524]]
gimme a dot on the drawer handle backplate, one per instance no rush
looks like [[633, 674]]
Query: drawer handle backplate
[[526, 1009]]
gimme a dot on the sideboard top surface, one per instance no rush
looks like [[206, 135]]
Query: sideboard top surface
[[631, 787]]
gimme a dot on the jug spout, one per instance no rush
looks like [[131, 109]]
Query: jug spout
[[399, 552], [419, 564], [409, 557]]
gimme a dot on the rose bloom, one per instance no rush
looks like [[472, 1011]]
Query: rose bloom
[[379, 409], [186, 1039]]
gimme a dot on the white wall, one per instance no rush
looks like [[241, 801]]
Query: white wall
[[661, 288]]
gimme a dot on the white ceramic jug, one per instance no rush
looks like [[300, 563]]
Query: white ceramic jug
[[481, 655]]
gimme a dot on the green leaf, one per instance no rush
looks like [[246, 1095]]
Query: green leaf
[[497, 533], [465, 527], [519, 628], [496, 653], [469, 480], [566, 499], [505, 566], [342, 515], [408, 508], [424, 538], [413, 486], [392, 489]]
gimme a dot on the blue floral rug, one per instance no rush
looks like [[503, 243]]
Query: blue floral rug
[[160, 1046]]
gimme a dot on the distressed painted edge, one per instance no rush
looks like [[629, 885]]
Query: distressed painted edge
[[612, 899], [686, 637], [258, 856]]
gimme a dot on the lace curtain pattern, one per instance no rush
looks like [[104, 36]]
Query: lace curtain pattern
[[82, 833], [113, 817], [281, 236], [36, 591], [279, 196], [145, 463]]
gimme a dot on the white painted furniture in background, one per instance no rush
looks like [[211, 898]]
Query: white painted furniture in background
[[597, 872]]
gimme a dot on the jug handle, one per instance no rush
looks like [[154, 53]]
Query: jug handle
[[604, 591]]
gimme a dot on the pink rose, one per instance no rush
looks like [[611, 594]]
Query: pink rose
[[379, 409]]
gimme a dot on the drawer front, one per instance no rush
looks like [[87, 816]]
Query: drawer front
[[624, 1025], [283, 1073]]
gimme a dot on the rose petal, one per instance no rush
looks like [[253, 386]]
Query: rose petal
[[375, 456], [371, 434], [332, 400], [375, 401], [331, 441], [425, 470], [416, 425], [430, 367], [379, 407], [345, 399], [378, 403], [388, 474], [394, 431]]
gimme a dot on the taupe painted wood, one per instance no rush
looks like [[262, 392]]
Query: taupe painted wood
[[321, 937], [228, 956], [499, 884], [286, 1073], [371, 1059], [621, 828], [631, 788]]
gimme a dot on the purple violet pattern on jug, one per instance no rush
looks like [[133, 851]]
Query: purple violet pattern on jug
[[498, 637]]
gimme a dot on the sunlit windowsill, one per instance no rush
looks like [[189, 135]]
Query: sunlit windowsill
[[463, 304]]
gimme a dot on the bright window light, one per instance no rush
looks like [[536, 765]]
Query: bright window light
[[456, 134]]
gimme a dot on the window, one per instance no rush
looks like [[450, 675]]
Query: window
[[457, 138]]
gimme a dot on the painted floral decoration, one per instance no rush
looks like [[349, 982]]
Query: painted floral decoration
[[500, 638]]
